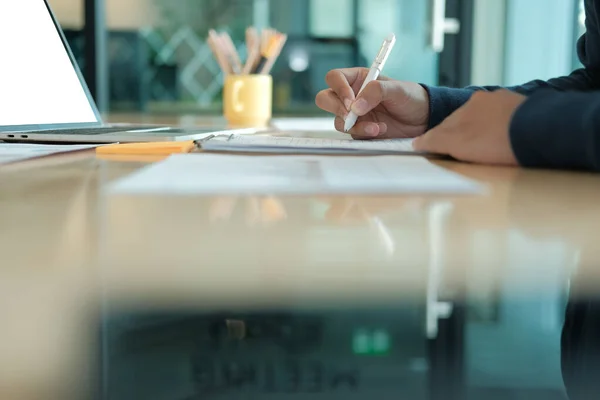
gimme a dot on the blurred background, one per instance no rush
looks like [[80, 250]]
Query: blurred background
[[151, 56]]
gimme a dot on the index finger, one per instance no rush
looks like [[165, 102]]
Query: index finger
[[341, 81]]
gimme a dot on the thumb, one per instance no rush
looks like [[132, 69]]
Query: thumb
[[373, 94], [435, 141]]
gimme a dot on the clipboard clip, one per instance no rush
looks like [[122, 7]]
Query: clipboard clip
[[199, 142]]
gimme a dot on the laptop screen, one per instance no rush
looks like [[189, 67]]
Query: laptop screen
[[39, 84]]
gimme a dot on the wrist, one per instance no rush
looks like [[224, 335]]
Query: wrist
[[442, 102]]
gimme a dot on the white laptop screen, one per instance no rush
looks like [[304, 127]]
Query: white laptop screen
[[39, 84]]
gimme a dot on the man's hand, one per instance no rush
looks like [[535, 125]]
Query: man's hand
[[477, 132], [386, 108]]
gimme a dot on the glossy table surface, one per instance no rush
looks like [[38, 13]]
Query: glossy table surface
[[67, 247]]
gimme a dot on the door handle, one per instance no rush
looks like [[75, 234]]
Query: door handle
[[441, 26]]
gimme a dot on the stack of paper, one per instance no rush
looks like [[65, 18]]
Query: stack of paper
[[296, 145], [209, 174], [13, 152]]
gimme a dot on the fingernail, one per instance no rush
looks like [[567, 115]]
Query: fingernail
[[360, 106], [348, 104], [383, 128], [371, 129]]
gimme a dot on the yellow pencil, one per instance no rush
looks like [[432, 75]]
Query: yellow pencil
[[269, 51], [214, 41], [253, 49], [234, 57], [152, 148], [281, 40]]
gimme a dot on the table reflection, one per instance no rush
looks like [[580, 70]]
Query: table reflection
[[257, 210], [471, 291]]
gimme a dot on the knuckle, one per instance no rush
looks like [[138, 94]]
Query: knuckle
[[480, 94], [331, 76], [376, 91], [375, 87], [320, 98], [327, 100]]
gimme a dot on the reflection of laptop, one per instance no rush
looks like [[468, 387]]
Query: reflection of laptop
[[43, 96]]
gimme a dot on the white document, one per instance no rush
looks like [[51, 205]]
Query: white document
[[298, 145], [304, 124], [210, 174], [13, 152]]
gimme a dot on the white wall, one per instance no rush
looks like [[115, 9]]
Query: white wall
[[488, 42]]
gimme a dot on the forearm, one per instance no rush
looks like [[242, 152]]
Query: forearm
[[444, 101]]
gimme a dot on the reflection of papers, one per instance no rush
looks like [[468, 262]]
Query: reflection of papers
[[264, 209], [13, 152], [208, 174], [304, 124]]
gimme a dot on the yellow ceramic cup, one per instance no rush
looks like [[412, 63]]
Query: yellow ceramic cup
[[248, 100]]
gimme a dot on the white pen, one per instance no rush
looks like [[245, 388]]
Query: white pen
[[374, 72]]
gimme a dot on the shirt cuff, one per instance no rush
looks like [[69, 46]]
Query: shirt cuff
[[444, 101]]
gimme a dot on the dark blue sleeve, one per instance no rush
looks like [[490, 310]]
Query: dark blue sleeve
[[444, 101]]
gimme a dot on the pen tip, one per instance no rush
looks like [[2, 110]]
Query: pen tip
[[349, 122]]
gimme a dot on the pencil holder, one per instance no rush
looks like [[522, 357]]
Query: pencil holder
[[248, 100]]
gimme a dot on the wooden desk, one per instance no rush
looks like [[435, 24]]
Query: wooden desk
[[67, 247]]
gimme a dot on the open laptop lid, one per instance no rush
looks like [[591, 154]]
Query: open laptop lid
[[41, 86]]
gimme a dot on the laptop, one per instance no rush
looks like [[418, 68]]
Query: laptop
[[43, 96]]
